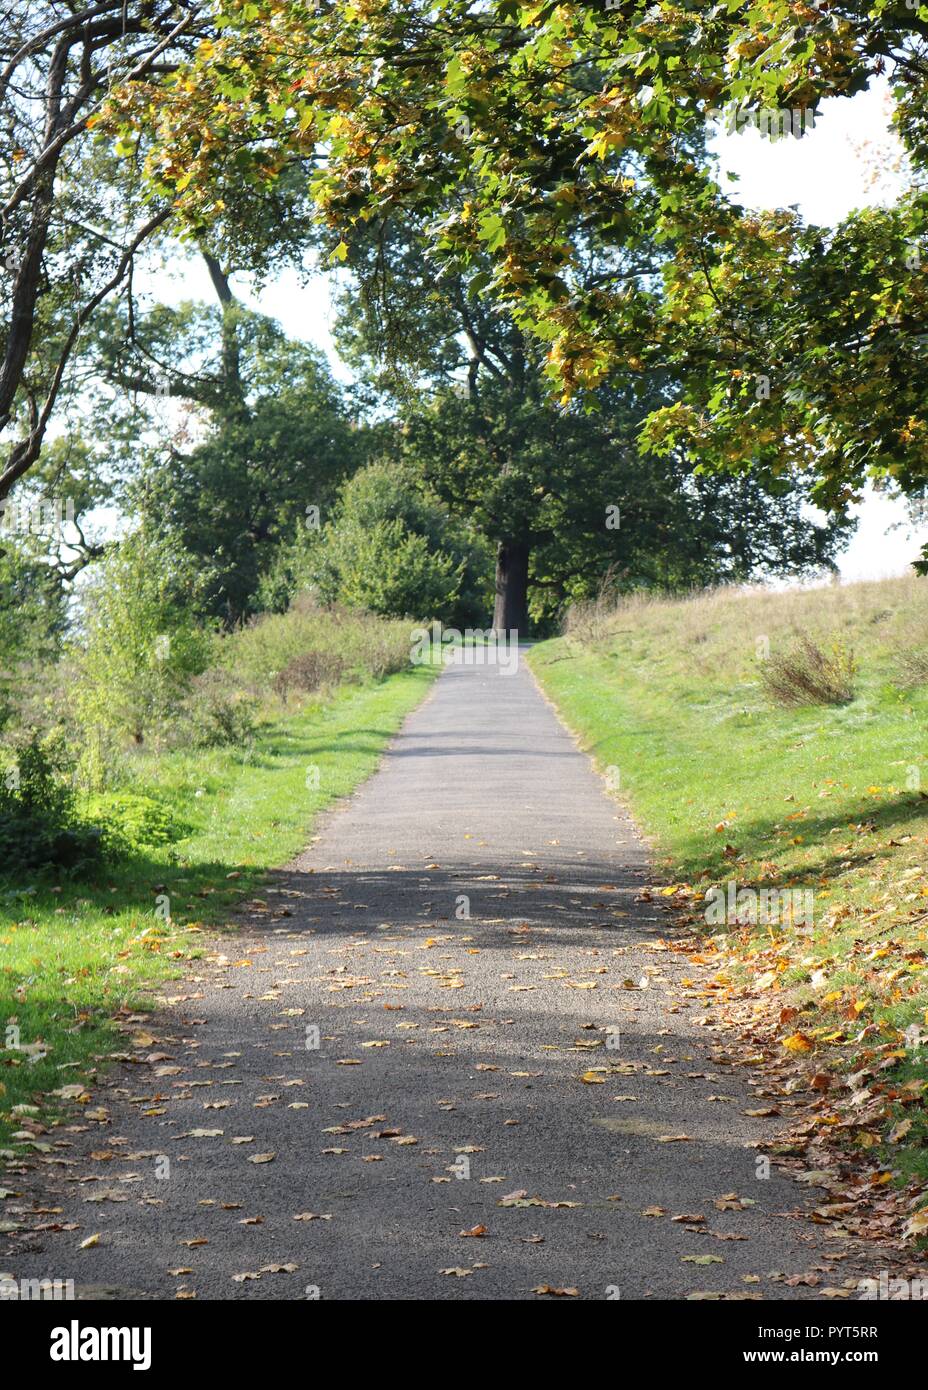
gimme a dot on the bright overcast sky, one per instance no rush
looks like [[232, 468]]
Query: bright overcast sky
[[826, 174]]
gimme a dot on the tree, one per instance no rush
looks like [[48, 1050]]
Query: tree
[[75, 210], [32, 620], [394, 550], [525, 137], [231, 501], [141, 645], [564, 493], [804, 346], [49, 511], [562, 123], [580, 504], [69, 237], [229, 435]]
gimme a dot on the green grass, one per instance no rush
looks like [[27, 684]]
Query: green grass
[[73, 955], [730, 787]]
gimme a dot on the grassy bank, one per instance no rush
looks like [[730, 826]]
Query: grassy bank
[[733, 787], [75, 956]]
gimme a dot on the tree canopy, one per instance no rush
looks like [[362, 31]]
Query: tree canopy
[[558, 152]]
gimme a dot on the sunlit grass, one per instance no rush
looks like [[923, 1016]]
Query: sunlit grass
[[72, 954], [730, 787]]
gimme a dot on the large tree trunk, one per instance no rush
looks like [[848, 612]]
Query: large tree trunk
[[511, 611]]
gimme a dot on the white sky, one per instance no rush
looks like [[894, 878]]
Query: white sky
[[847, 160], [304, 311]]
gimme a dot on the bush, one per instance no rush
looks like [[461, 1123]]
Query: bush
[[366, 646], [808, 674], [913, 669], [216, 713], [912, 660], [33, 617], [142, 647], [309, 671], [129, 822], [293, 570], [39, 824], [395, 551], [389, 570]]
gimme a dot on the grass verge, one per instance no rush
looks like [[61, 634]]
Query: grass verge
[[75, 957], [669, 700]]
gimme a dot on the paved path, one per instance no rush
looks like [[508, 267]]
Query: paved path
[[448, 1070]]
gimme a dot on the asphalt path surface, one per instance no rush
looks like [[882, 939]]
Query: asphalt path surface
[[459, 940]]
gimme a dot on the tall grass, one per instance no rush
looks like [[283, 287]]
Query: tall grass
[[824, 796], [733, 630], [358, 646]]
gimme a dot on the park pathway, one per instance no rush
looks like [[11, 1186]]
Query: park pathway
[[459, 938]]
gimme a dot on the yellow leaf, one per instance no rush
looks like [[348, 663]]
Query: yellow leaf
[[917, 1225]]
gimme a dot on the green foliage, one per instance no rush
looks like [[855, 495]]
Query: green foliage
[[395, 550], [129, 822], [365, 647], [279, 439], [389, 570], [806, 353], [593, 508], [40, 827], [291, 570], [557, 171], [141, 646], [308, 672], [32, 618], [569, 485], [217, 713]]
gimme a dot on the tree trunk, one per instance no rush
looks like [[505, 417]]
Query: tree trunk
[[232, 389], [511, 611]]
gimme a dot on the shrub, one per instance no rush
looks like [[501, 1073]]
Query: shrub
[[913, 668], [394, 550], [910, 655], [217, 713], [128, 821], [39, 824], [389, 570], [142, 647], [32, 619], [256, 654], [809, 674], [386, 649], [309, 671], [593, 619]]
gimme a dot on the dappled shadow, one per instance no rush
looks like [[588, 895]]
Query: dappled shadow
[[565, 901], [457, 1099], [759, 838]]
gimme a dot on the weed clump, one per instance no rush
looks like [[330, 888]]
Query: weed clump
[[809, 673]]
